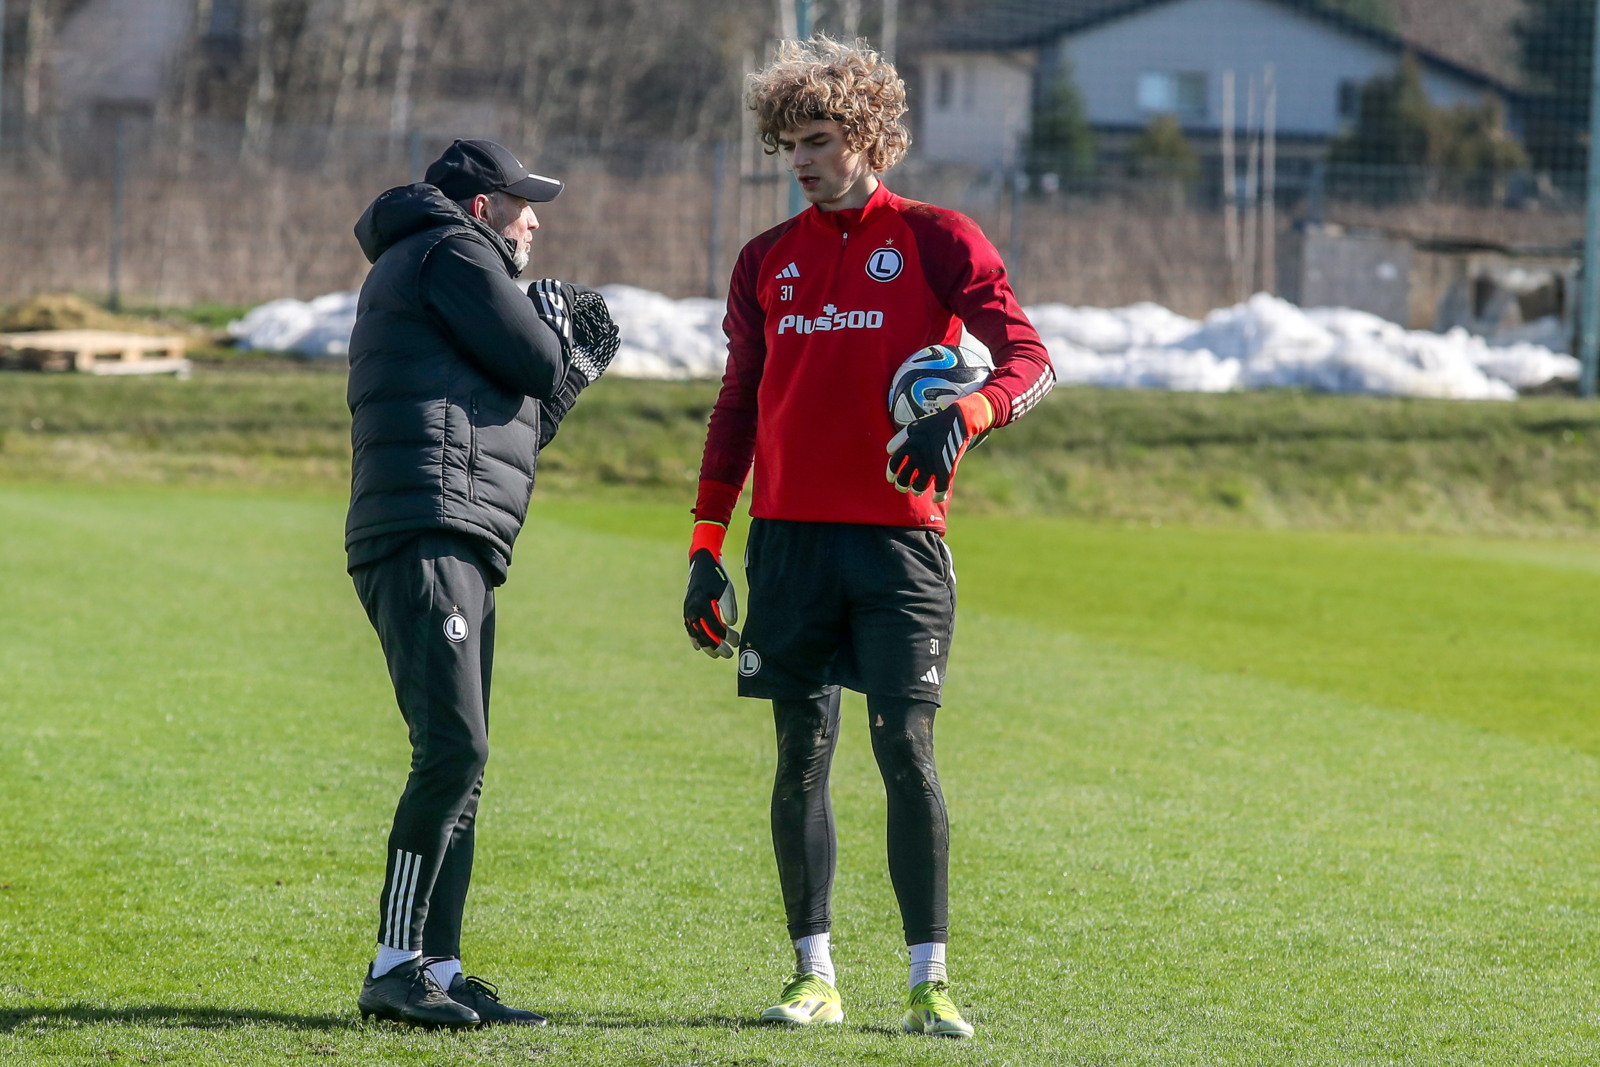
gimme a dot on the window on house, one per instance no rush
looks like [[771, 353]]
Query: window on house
[[1181, 93], [945, 91], [1350, 100]]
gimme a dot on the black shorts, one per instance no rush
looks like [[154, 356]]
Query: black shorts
[[870, 608]]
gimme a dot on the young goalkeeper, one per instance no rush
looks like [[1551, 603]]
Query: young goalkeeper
[[850, 580]]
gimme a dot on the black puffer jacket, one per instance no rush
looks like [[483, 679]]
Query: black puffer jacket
[[455, 382]]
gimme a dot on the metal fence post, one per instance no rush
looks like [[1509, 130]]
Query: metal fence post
[[1017, 180], [1316, 197], [2, 74], [719, 168], [414, 164], [119, 182], [802, 31], [1589, 346]]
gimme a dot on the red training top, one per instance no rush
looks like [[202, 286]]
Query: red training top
[[822, 309]]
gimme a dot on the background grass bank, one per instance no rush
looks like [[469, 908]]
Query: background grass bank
[[1254, 459]]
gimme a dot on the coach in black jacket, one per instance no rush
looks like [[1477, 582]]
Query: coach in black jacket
[[457, 379]]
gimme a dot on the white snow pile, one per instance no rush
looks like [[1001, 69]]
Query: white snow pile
[[661, 337], [666, 338], [319, 327], [1269, 343], [1262, 343]]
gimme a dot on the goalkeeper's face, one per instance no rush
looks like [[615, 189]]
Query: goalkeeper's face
[[830, 174], [512, 218]]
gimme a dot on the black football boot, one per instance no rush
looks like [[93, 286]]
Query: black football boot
[[408, 994], [483, 998]]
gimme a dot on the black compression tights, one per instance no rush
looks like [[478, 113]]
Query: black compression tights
[[802, 815]]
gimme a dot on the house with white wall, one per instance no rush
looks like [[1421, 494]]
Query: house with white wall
[[982, 74]]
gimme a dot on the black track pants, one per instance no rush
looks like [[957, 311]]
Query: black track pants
[[433, 606], [802, 816]]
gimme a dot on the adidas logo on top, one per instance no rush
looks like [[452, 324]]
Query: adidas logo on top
[[791, 271]]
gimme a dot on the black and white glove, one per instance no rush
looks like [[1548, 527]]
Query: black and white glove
[[596, 338], [553, 301], [579, 316]]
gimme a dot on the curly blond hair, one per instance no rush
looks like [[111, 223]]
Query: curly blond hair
[[826, 79]]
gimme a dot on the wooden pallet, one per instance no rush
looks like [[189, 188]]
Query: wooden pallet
[[93, 352]]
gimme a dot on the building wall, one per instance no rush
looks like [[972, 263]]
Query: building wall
[[1310, 58], [973, 107]]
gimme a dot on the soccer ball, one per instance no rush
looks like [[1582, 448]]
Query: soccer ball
[[934, 378]]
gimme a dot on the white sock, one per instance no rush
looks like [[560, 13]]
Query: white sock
[[390, 958], [813, 955], [927, 963], [444, 972]]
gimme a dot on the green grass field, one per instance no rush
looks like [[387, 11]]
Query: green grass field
[[1218, 796]]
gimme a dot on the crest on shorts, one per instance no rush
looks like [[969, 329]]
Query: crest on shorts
[[455, 627], [749, 662]]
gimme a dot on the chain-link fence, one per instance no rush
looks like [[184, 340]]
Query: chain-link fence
[[157, 214], [161, 213]]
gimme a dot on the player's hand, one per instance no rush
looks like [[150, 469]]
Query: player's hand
[[923, 456], [710, 607]]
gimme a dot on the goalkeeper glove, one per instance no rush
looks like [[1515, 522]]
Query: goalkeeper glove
[[924, 455], [710, 605], [579, 316], [595, 337], [553, 301]]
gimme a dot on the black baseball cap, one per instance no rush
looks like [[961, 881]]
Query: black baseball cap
[[468, 168]]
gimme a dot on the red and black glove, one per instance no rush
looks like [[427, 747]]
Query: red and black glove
[[924, 455], [710, 605]]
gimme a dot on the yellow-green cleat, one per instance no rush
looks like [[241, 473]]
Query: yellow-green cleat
[[806, 1000], [929, 1010]]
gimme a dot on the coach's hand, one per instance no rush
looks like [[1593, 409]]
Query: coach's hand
[[595, 337], [710, 605], [579, 316], [924, 455], [553, 301]]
